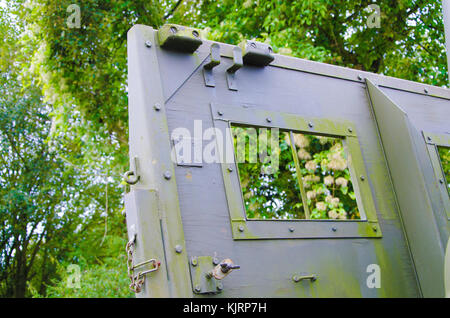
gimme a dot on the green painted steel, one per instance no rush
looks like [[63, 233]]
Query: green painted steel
[[399, 139], [180, 211]]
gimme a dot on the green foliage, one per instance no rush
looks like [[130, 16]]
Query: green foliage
[[444, 156], [106, 279], [409, 43], [269, 187], [269, 183], [326, 177]]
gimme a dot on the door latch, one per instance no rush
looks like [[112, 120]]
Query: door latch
[[207, 273]]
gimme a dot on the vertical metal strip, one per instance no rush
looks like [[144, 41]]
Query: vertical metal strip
[[446, 14], [150, 142], [299, 176]]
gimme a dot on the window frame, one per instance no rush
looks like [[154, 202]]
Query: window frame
[[242, 228], [433, 141]]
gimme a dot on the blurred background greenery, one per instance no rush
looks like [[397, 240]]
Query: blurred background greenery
[[63, 112]]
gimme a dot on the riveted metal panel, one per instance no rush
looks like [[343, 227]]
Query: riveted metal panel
[[242, 229], [150, 144], [399, 139], [193, 201]]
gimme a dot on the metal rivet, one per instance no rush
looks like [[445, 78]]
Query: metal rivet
[[350, 129], [173, 30], [241, 228], [230, 169], [268, 119], [148, 44], [441, 181], [194, 261], [310, 125], [362, 178], [157, 107], [215, 261], [360, 77], [291, 229], [425, 90], [220, 113], [197, 288], [334, 229], [167, 175], [219, 286], [178, 249], [195, 34]]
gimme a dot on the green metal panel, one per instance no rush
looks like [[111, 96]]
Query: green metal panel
[[447, 270], [143, 219], [399, 137], [251, 229], [182, 211], [150, 143]]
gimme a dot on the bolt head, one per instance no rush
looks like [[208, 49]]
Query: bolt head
[[215, 261], [220, 113], [334, 229], [194, 261], [362, 178], [173, 30], [441, 181], [167, 175], [310, 125], [157, 107], [425, 90], [360, 77], [374, 228], [350, 129], [197, 288], [219, 286], [178, 249], [241, 228], [148, 44], [291, 229], [195, 33], [295, 278], [230, 169], [268, 119]]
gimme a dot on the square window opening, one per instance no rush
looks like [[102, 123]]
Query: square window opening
[[287, 175]]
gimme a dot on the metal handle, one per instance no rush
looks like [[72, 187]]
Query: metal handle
[[156, 265], [312, 278]]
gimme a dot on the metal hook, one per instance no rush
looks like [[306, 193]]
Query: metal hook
[[207, 68], [231, 71], [131, 177]]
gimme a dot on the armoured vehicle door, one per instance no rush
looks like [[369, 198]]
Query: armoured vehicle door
[[260, 175]]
